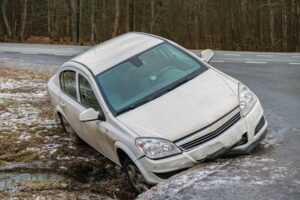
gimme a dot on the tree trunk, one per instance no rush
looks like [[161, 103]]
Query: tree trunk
[[152, 19], [72, 6], [103, 19], [196, 19], [292, 28], [284, 27], [4, 15], [128, 18], [49, 18], [244, 28], [134, 15], [78, 19], [117, 18], [297, 25], [14, 21], [92, 21], [272, 40], [23, 20]]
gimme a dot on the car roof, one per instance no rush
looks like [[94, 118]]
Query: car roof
[[116, 50]]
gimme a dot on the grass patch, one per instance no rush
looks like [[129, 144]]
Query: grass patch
[[21, 74], [43, 182], [9, 103], [52, 183], [27, 157], [2, 163]]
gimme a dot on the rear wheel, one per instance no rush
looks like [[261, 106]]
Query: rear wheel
[[69, 130], [135, 176]]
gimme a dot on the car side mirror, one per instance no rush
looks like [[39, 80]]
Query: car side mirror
[[101, 116], [207, 55], [91, 115]]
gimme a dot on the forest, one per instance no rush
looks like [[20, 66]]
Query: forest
[[242, 25]]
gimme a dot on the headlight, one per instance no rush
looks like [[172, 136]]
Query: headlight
[[247, 99], [155, 148]]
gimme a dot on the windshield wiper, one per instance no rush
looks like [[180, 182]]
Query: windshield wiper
[[173, 86], [134, 105], [141, 102]]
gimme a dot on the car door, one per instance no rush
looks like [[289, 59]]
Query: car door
[[69, 98], [95, 132]]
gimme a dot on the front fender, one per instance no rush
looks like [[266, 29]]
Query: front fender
[[133, 155]]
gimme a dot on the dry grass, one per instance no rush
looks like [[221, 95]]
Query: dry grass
[[30, 131], [21, 74], [47, 40]]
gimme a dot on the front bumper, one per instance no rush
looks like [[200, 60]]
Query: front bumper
[[211, 149], [251, 146]]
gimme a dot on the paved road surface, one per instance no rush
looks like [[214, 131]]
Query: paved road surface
[[69, 51], [272, 171]]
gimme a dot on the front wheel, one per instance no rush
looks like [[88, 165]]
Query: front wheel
[[135, 176]]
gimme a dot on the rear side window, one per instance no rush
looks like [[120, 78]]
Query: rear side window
[[68, 83], [87, 95]]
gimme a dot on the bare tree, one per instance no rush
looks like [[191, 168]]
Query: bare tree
[[49, 18], [152, 19], [92, 22], [128, 18], [103, 18], [23, 19], [73, 8], [79, 25], [284, 28], [134, 15], [117, 18], [272, 40], [4, 16]]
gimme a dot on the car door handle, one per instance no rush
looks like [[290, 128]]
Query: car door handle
[[62, 104]]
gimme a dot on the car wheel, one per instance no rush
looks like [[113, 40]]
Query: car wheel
[[135, 176], [69, 130]]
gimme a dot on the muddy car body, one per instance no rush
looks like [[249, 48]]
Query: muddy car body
[[153, 107]]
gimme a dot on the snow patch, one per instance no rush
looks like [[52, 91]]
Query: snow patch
[[223, 174], [24, 136], [18, 84]]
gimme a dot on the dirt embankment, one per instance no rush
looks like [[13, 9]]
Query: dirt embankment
[[37, 159]]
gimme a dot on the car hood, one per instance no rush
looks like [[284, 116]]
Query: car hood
[[186, 109]]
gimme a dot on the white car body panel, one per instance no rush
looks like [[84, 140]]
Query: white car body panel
[[185, 110], [116, 50], [190, 158]]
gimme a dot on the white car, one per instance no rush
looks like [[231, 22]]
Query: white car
[[153, 107]]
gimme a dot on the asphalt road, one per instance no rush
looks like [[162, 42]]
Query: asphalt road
[[63, 52], [272, 171]]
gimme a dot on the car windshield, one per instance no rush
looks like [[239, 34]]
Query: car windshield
[[146, 76]]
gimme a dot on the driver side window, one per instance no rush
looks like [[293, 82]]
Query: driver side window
[[87, 95]]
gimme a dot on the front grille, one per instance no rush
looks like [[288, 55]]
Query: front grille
[[213, 134], [260, 124]]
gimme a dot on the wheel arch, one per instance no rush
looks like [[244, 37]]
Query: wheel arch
[[123, 152]]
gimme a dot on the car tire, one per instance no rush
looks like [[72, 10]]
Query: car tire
[[135, 177], [69, 130]]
